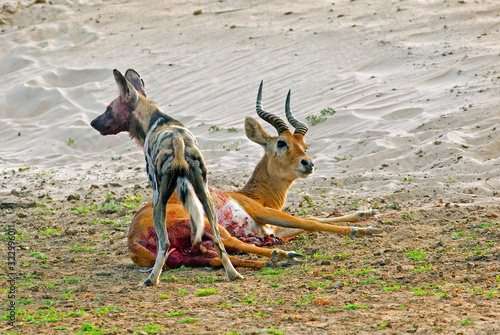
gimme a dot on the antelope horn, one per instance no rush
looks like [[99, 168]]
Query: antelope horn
[[274, 120], [300, 127]]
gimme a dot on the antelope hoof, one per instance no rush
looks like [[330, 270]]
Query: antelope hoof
[[147, 282], [366, 215], [286, 259], [370, 231]]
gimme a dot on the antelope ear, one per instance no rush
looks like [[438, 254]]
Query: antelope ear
[[255, 132], [126, 89], [135, 79]]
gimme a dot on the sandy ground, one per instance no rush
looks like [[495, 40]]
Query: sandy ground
[[414, 88]]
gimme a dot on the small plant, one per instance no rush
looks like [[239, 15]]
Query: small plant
[[227, 305], [356, 307], [232, 129], [310, 202], [390, 288], [492, 292], [341, 159], [302, 212], [384, 325], [319, 255], [44, 173], [188, 320], [328, 111], [85, 209], [409, 215], [48, 231], [111, 206], [423, 268], [37, 255], [363, 271], [419, 291], [448, 179], [101, 220], [249, 301], [116, 158], [24, 301], [152, 328], [343, 256], [168, 278], [88, 327], [369, 281], [467, 322], [78, 248], [210, 279], [214, 128], [71, 280], [104, 310], [131, 202], [315, 119], [304, 300], [274, 330], [176, 313], [205, 292], [406, 179], [70, 141], [417, 255], [68, 295]]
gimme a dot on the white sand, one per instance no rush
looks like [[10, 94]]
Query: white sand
[[415, 85]]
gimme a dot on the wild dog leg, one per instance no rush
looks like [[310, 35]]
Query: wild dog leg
[[201, 190], [166, 189]]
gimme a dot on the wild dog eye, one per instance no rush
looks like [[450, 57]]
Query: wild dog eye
[[281, 144]]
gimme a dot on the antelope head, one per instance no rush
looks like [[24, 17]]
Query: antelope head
[[285, 154]]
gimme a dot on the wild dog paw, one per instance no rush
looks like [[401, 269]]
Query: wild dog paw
[[147, 282]]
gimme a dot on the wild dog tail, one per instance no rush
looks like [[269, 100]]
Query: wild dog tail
[[179, 162], [186, 193], [192, 204]]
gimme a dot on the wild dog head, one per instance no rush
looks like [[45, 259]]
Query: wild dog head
[[286, 153], [119, 113]]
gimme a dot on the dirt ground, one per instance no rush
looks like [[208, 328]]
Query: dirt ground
[[436, 270]]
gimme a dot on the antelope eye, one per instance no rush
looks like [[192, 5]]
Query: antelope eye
[[281, 144]]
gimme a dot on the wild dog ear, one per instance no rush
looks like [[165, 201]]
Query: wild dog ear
[[255, 132], [135, 79], [126, 89]]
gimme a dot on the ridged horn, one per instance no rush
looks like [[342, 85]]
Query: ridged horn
[[300, 127], [274, 120]]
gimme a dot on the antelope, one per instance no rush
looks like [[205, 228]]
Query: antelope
[[173, 162], [246, 217]]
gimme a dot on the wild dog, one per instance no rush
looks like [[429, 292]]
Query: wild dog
[[173, 162], [254, 213]]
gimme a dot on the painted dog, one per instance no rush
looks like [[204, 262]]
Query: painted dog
[[173, 162]]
